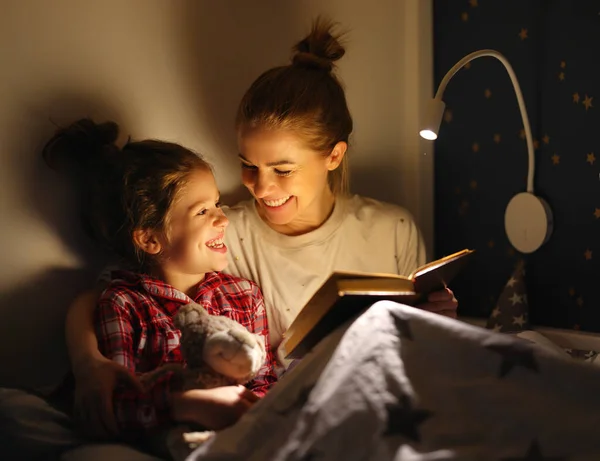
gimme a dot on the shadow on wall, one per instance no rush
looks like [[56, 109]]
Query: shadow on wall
[[229, 47], [32, 348]]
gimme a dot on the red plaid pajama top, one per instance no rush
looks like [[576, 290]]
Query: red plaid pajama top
[[135, 329]]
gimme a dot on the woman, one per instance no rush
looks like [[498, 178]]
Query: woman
[[293, 127]]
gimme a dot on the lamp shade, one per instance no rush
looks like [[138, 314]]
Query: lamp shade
[[430, 124]]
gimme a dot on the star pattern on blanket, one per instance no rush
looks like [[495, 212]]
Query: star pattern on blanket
[[534, 453], [405, 420], [403, 327], [514, 353]]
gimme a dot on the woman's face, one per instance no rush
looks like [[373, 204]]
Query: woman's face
[[287, 179]]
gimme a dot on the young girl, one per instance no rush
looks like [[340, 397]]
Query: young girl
[[156, 204]]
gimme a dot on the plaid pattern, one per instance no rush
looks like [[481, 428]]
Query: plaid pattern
[[134, 328]]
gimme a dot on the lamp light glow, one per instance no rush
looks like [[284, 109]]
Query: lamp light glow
[[428, 134]]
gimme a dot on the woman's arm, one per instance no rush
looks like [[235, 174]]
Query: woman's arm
[[96, 377], [81, 339]]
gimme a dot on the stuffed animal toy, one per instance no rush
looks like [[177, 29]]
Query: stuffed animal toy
[[217, 351]]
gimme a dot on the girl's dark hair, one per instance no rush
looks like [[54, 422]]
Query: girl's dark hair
[[304, 97], [122, 189]]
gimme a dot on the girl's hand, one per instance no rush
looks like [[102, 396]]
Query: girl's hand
[[95, 382], [441, 302], [215, 408]]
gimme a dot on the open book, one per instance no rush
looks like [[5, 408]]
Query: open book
[[344, 295]]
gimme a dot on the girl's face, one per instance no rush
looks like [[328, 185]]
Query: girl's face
[[196, 229], [287, 179]]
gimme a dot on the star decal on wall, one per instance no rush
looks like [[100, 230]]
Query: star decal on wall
[[473, 3], [591, 158], [475, 147], [563, 64], [405, 420], [555, 159], [546, 139], [534, 453], [587, 102], [523, 34], [561, 76], [464, 16], [576, 98], [597, 213], [514, 353], [497, 138], [487, 93], [587, 254]]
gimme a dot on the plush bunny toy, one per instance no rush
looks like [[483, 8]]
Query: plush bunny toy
[[217, 351]]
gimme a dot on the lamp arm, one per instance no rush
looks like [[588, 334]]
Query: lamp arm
[[519, 94]]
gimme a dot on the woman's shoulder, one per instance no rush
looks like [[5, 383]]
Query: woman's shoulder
[[372, 210]]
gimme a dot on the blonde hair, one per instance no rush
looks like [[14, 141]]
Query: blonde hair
[[304, 97]]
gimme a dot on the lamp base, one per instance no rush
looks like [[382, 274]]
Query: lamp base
[[528, 222]]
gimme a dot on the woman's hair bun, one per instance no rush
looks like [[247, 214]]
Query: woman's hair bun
[[320, 48]]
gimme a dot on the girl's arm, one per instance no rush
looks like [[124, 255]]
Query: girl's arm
[[212, 408], [120, 330]]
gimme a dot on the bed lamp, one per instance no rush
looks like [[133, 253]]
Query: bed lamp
[[528, 218]]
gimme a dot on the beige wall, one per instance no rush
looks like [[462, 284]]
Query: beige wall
[[174, 69]]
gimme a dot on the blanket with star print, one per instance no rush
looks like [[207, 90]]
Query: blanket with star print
[[402, 384]]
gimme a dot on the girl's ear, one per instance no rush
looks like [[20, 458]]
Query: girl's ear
[[147, 241], [337, 155]]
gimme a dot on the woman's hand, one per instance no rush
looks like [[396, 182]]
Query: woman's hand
[[95, 382], [441, 302], [213, 409]]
